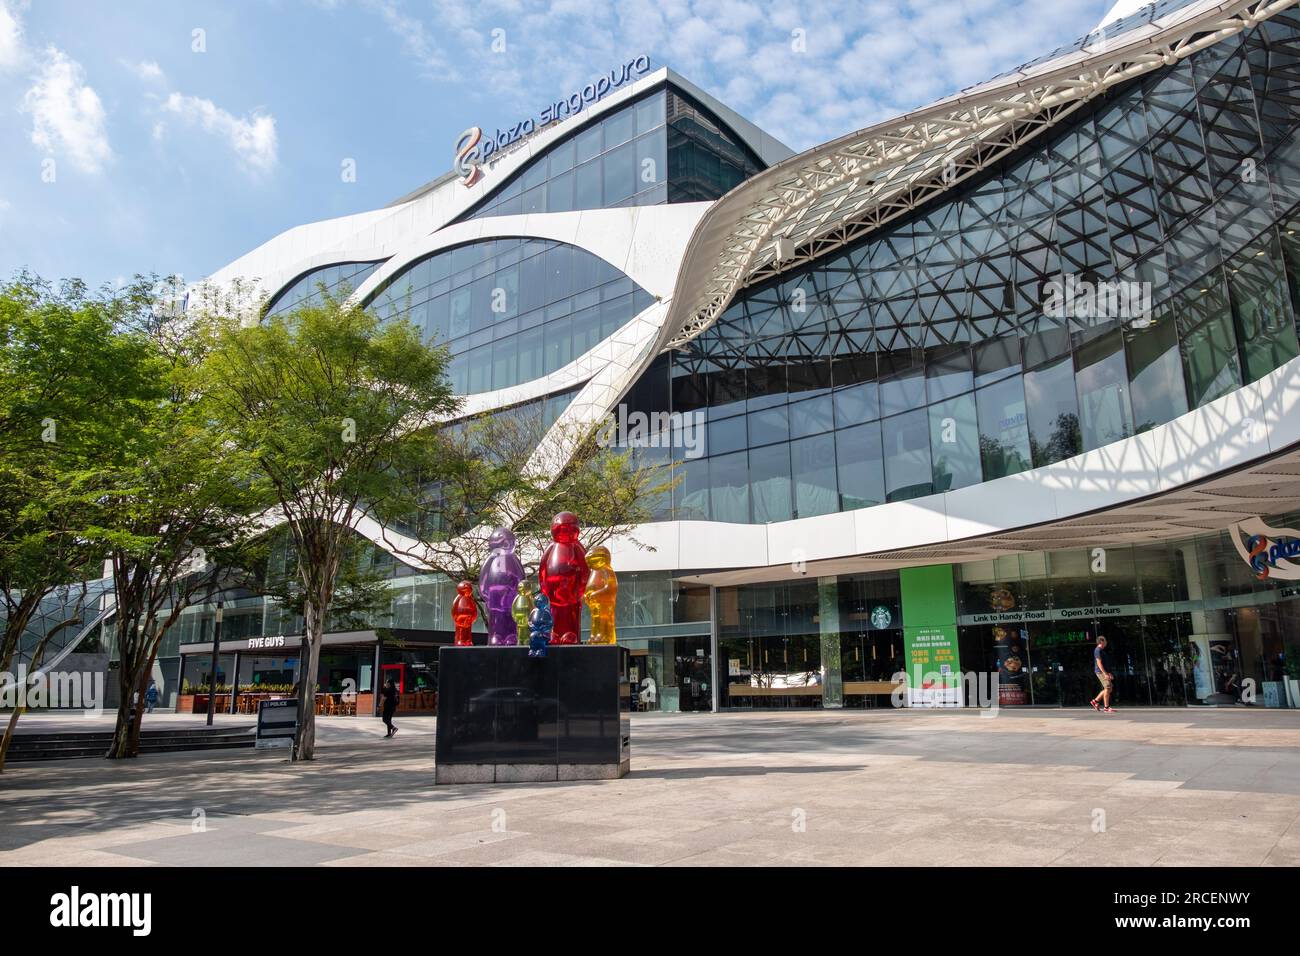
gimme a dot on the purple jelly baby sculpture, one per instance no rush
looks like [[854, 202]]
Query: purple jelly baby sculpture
[[498, 584]]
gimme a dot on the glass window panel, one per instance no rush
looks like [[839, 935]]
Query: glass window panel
[[650, 113], [1053, 412], [811, 417], [559, 193], [480, 369], [769, 482], [1261, 307], [534, 200], [691, 496], [437, 319], [1105, 415], [459, 312], [768, 425], [531, 357], [1155, 374], [906, 441], [860, 463], [586, 186], [954, 443], [861, 403], [619, 127], [560, 158], [533, 176], [948, 372], [1003, 428], [728, 488], [1208, 342], [587, 144], [558, 335], [651, 159], [813, 465], [620, 173], [995, 359], [505, 363], [726, 435]]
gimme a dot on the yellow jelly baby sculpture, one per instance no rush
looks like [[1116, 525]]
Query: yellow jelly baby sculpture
[[601, 596]]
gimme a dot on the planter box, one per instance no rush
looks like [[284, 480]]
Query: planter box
[[185, 704]]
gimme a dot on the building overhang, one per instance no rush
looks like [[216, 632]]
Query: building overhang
[[821, 200]]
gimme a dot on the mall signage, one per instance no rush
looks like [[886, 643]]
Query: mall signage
[[275, 641], [473, 149], [1270, 552]]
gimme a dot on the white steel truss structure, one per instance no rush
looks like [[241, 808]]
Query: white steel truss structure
[[822, 199]]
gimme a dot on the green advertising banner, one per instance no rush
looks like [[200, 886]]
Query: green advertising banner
[[930, 636]]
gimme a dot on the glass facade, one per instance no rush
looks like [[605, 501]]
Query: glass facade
[[661, 148], [1187, 623], [333, 279], [511, 310], [1139, 263]]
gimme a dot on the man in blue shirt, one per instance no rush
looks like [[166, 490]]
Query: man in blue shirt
[[1101, 666]]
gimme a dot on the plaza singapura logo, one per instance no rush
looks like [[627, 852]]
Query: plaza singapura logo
[[1270, 552]]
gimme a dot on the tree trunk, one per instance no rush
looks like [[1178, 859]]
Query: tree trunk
[[9, 734], [305, 746], [122, 728]]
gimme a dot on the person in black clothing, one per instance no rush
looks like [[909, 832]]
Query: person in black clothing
[[1101, 666], [390, 706]]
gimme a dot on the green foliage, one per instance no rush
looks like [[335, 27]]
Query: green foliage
[[494, 475], [335, 411]]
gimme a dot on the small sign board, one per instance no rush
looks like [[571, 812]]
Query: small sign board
[[277, 723]]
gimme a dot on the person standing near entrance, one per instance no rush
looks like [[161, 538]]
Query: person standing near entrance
[[1101, 665], [151, 696], [390, 706]]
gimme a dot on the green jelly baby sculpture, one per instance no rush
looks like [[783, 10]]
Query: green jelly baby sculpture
[[520, 609]]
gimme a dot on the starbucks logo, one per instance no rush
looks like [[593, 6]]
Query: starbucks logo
[[880, 617]]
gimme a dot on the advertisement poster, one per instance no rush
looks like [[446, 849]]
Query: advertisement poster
[[1011, 648], [933, 670], [1202, 671]]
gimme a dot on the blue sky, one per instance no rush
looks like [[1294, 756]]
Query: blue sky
[[133, 143]]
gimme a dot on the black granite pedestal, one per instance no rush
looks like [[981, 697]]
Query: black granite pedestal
[[505, 717]]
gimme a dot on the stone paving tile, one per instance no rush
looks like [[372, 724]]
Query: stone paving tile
[[875, 788]]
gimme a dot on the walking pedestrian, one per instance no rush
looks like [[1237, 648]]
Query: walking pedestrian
[[391, 697], [151, 697], [1101, 666]]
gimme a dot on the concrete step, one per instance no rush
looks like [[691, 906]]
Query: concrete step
[[79, 744]]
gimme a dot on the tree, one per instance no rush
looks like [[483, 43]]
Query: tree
[[515, 469], [70, 381], [176, 506], [333, 409]]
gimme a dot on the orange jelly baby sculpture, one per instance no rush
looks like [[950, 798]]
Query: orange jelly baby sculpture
[[562, 577], [602, 596], [464, 612]]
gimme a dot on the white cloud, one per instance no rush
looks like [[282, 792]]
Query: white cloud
[[863, 60], [67, 116], [253, 138], [148, 70], [12, 51]]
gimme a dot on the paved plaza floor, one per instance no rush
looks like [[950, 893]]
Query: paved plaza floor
[[1143, 787]]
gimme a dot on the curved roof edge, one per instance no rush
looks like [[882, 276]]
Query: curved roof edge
[[818, 201]]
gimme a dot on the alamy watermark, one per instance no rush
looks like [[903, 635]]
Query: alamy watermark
[[1074, 297], [52, 689], [625, 429]]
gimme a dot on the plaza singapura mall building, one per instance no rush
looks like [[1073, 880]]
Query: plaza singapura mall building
[[955, 393]]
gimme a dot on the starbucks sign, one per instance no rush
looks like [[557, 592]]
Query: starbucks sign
[[881, 617]]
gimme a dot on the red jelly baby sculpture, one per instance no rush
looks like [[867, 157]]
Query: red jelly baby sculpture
[[464, 612], [563, 577]]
